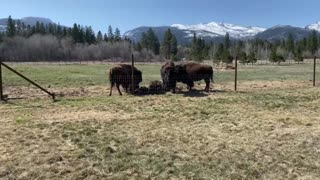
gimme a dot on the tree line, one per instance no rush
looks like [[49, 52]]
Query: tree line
[[53, 42], [247, 51], [49, 42]]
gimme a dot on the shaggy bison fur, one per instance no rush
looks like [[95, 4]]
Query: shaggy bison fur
[[121, 75], [198, 72]]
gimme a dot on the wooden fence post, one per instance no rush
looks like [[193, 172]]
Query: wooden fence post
[[314, 70], [236, 74], [132, 74], [29, 80]]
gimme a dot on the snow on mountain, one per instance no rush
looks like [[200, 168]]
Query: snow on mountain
[[2, 28], [214, 29], [315, 26]]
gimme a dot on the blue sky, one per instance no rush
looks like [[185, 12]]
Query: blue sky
[[128, 14]]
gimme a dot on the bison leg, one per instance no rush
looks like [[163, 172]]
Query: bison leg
[[190, 86], [118, 87], [112, 84], [173, 90], [207, 85], [125, 88]]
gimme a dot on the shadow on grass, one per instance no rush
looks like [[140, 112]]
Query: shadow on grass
[[193, 93]]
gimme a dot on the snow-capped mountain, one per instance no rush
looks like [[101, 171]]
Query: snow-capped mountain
[[214, 29], [2, 28], [210, 31], [315, 26]]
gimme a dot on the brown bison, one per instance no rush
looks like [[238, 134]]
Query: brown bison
[[168, 74], [171, 74], [197, 72], [121, 75]]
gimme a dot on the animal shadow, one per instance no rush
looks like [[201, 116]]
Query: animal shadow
[[193, 93]]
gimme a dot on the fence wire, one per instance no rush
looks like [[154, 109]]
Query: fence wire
[[85, 78]]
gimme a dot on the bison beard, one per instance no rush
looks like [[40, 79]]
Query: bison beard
[[121, 75]]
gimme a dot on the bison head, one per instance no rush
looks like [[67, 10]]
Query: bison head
[[168, 75], [137, 78]]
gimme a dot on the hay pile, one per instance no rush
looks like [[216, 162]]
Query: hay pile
[[155, 87]]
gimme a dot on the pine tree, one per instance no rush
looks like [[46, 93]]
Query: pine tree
[[59, 30], [252, 57], [82, 35], [243, 57], [227, 41], [218, 53], [290, 43], [138, 47], [1, 37], [117, 35], [144, 41], [313, 42], [173, 48], [99, 36], [194, 47], [19, 28], [226, 57], [75, 33], [89, 35], [166, 44], [298, 52], [152, 42], [11, 28], [42, 29], [105, 37], [64, 32], [273, 55], [110, 34], [198, 48]]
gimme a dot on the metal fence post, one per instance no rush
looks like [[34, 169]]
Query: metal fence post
[[132, 73], [1, 87], [236, 74], [314, 70]]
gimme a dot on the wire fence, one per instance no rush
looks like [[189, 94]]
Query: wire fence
[[82, 79]]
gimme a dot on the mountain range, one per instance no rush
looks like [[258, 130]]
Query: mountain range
[[26, 20], [212, 31], [216, 31]]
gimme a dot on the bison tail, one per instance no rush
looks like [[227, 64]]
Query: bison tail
[[110, 76], [211, 77]]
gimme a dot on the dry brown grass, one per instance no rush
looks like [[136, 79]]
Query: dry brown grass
[[269, 130]]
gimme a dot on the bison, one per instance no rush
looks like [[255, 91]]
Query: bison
[[197, 72], [171, 74], [168, 75], [121, 75]]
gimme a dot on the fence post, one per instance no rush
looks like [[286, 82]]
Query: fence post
[[314, 70], [1, 88], [132, 73], [27, 79], [236, 74]]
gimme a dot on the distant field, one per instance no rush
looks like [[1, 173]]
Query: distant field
[[96, 75], [268, 130]]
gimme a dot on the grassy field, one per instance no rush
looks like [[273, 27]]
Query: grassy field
[[268, 130]]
